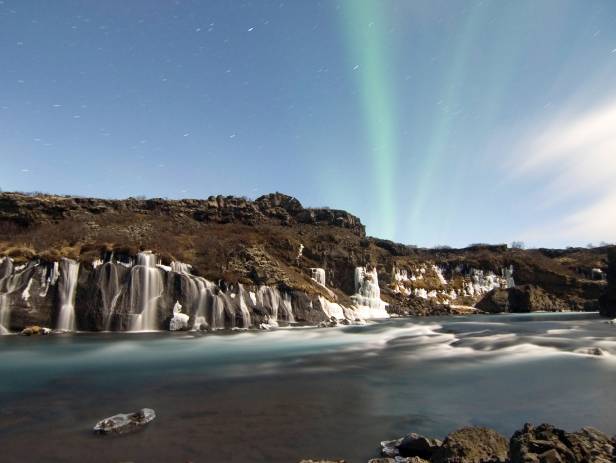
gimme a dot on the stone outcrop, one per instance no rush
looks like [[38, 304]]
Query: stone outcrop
[[24, 210], [608, 300], [531, 444], [546, 443], [521, 299], [472, 445]]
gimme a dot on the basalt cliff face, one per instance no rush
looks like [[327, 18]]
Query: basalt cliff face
[[608, 300], [227, 262]]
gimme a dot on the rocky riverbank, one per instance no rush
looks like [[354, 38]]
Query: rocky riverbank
[[531, 444], [224, 262]]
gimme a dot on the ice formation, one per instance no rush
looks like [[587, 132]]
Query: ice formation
[[318, 275], [367, 295], [179, 321]]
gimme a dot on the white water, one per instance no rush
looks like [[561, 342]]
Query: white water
[[7, 286], [146, 289], [69, 271], [367, 295], [276, 303], [109, 285]]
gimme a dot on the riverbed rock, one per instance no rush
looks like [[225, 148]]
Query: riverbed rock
[[415, 445], [389, 448], [472, 445], [35, 331], [546, 444], [123, 423]]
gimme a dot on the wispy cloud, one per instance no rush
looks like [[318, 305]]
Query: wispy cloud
[[576, 158]]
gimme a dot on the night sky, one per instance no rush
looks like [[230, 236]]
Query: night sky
[[437, 122]]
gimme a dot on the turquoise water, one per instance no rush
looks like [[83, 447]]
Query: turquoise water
[[292, 393]]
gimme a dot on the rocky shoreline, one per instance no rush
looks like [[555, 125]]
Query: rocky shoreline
[[544, 443]]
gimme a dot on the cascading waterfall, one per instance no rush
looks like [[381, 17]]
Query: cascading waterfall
[[7, 285], [367, 295], [204, 302], [146, 289], [241, 295], [69, 271], [109, 285], [275, 302]]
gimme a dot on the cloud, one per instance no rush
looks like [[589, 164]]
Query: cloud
[[575, 157]]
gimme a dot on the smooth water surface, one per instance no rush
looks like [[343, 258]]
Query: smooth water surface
[[304, 392]]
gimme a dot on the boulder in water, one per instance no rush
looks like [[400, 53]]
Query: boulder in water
[[415, 445], [123, 423], [35, 330]]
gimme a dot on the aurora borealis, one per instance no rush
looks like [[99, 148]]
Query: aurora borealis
[[436, 122]]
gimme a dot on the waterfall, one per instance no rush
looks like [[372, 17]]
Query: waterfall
[[367, 295], [110, 288], [204, 303], [146, 288], [8, 284], [318, 275], [69, 270], [275, 302], [243, 306], [218, 313]]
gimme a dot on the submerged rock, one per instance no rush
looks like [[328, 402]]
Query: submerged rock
[[123, 423], [35, 331], [472, 445], [546, 443]]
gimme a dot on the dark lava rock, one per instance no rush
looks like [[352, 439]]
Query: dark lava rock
[[608, 300], [472, 445], [521, 299], [123, 423], [547, 444], [415, 445]]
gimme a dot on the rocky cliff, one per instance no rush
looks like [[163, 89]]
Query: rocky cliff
[[227, 262], [608, 300]]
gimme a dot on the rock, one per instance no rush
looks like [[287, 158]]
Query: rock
[[596, 351], [322, 461], [521, 299], [389, 448], [607, 301], [472, 445], [35, 331], [381, 460], [546, 443], [123, 423], [415, 445]]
